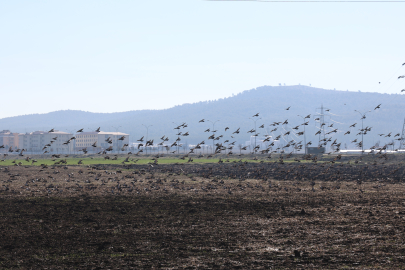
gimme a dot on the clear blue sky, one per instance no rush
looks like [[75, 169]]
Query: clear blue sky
[[110, 56]]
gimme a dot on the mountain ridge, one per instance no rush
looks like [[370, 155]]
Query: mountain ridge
[[234, 112]]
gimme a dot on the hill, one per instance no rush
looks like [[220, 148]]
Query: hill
[[234, 112]]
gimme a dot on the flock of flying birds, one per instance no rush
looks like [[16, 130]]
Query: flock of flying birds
[[228, 146]]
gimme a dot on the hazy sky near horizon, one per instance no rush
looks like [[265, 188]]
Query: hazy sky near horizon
[[111, 56]]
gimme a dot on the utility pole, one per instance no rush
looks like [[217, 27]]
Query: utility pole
[[305, 138], [402, 141], [147, 133], [363, 116], [322, 124], [254, 149], [178, 151], [213, 129]]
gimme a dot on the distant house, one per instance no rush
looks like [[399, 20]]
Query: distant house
[[9, 139]]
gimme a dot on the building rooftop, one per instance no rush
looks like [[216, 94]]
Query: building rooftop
[[102, 133], [39, 132]]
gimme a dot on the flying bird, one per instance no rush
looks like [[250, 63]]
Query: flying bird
[[288, 108], [257, 114], [80, 130], [377, 107]]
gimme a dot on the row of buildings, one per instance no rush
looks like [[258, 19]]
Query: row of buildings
[[58, 142], [63, 142]]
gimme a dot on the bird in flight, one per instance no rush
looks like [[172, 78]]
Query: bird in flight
[[288, 108], [377, 107], [201, 121], [257, 114], [98, 130], [80, 130]]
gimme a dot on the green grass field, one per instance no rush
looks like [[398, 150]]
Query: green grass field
[[93, 160]]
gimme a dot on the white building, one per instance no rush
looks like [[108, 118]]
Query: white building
[[100, 139], [53, 142]]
